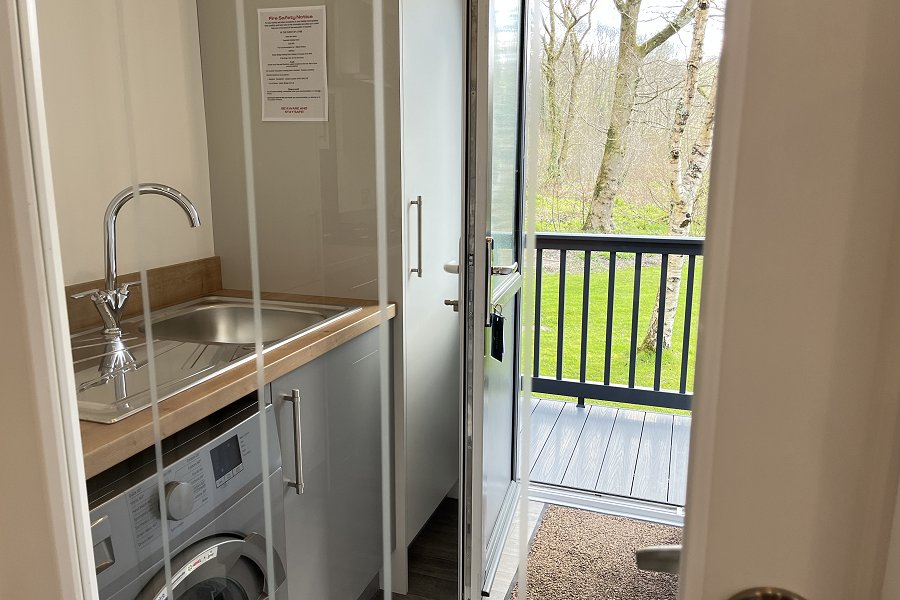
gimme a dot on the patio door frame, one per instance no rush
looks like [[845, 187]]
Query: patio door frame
[[474, 254]]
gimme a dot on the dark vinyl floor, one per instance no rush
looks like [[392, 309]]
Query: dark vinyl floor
[[433, 558]]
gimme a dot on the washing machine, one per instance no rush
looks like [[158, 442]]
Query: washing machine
[[216, 526]]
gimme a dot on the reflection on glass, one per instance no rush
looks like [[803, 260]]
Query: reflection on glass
[[505, 126], [231, 484], [216, 589]]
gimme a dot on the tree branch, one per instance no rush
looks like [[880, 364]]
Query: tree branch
[[681, 19]]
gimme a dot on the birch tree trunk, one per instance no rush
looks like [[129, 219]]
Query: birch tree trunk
[[684, 184], [631, 56]]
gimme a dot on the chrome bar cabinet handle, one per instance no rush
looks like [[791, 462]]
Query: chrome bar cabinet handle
[[418, 270], [297, 484]]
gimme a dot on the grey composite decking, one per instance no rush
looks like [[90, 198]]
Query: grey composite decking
[[625, 452]]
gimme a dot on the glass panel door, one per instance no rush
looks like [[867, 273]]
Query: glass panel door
[[493, 238], [223, 170]]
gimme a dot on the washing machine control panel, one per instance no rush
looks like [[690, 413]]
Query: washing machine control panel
[[197, 488], [227, 460]]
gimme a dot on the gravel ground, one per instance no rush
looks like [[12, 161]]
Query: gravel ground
[[580, 555]]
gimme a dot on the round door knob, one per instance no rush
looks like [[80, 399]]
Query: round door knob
[[766, 593], [179, 500]]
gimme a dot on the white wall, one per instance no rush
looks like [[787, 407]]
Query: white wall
[[88, 129], [796, 409]]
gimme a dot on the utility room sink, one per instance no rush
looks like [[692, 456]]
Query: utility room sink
[[231, 321], [193, 342]]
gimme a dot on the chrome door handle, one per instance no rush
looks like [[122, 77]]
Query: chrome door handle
[[507, 270], [488, 281], [418, 202], [452, 267], [662, 559], [766, 593], [297, 484]]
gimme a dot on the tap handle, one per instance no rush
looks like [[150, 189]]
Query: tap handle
[[85, 294], [124, 287], [96, 293]]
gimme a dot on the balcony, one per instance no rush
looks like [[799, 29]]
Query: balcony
[[610, 419]]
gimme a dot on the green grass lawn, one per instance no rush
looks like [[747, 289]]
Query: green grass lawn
[[566, 215], [621, 334]]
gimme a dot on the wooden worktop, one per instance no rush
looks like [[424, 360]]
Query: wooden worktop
[[105, 445]]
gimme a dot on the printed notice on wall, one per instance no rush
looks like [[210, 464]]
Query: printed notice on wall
[[292, 64]]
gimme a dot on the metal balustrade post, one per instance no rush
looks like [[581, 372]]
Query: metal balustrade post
[[610, 304], [585, 303], [688, 309], [539, 266], [635, 311], [660, 321], [561, 315]]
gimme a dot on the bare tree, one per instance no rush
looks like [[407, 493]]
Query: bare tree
[[684, 183], [566, 25], [577, 10], [631, 56]]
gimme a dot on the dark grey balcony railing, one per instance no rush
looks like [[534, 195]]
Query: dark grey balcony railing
[[615, 246]]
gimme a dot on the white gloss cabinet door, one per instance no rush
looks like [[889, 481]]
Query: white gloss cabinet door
[[333, 528], [431, 80]]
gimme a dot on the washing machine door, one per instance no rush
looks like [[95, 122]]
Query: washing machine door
[[224, 567]]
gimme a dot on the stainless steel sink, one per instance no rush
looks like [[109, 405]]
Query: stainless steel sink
[[193, 342], [234, 323]]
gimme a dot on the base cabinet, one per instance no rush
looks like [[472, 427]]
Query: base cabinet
[[333, 528]]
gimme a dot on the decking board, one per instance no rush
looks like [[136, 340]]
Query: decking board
[[587, 456], [554, 458], [651, 474], [543, 418], [617, 472], [681, 437]]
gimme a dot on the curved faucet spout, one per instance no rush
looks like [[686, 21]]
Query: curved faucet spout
[[109, 221]]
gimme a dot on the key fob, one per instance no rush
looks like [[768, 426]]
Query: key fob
[[497, 322]]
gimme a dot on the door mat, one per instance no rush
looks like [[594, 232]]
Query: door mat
[[580, 555]]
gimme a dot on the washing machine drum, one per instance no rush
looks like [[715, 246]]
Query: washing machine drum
[[224, 567]]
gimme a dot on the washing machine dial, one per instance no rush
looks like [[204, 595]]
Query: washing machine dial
[[179, 499]]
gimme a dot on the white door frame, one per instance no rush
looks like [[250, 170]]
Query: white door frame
[[842, 540], [732, 76], [46, 523]]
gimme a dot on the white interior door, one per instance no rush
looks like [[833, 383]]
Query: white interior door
[[432, 36], [491, 285], [794, 455]]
